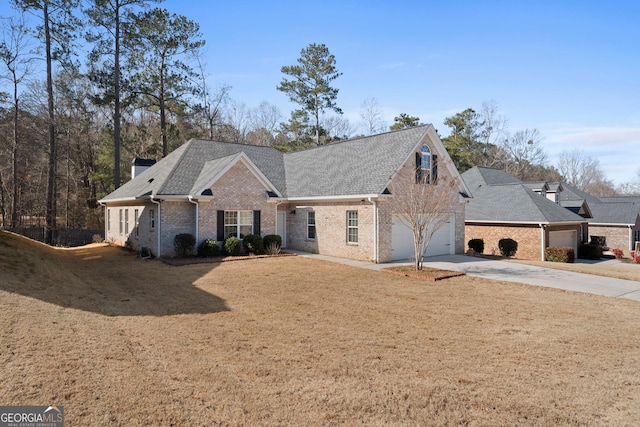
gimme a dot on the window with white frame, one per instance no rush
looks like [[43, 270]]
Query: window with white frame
[[126, 221], [152, 219], [352, 226], [238, 223], [136, 222], [121, 218], [426, 166], [311, 225]]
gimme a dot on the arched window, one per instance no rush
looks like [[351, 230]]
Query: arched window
[[426, 166]]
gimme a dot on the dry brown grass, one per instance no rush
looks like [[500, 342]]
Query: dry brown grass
[[621, 271], [121, 341]]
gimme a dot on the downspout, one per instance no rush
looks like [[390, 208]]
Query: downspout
[[197, 219], [542, 241], [159, 223], [375, 230]]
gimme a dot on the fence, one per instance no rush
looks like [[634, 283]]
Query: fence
[[62, 237]]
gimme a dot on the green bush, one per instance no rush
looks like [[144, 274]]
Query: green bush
[[508, 247], [559, 254], [272, 239], [253, 244], [184, 243], [590, 251], [232, 246], [208, 248], [477, 245]]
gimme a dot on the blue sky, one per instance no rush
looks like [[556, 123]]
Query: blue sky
[[569, 68]]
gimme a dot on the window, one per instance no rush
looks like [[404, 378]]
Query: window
[[126, 221], [637, 235], [352, 226], [120, 222], [136, 222], [152, 219], [238, 223], [311, 225], [426, 166]]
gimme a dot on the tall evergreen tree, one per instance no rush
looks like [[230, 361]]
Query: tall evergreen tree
[[107, 17], [159, 46], [57, 31], [310, 85]]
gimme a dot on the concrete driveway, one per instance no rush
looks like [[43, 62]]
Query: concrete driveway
[[514, 272], [539, 276]]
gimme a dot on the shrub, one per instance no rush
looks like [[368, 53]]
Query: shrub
[[508, 247], [253, 244], [618, 253], [559, 254], [590, 251], [477, 245], [272, 239], [635, 258], [208, 248], [232, 246], [183, 244]]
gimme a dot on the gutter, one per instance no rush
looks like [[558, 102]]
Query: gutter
[[542, 241]]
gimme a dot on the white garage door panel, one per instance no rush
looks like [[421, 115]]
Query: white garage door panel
[[402, 241], [567, 238]]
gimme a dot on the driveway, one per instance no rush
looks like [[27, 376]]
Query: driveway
[[539, 276], [513, 272]]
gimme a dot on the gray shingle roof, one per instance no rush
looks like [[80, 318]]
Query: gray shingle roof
[[500, 197], [605, 210], [355, 167]]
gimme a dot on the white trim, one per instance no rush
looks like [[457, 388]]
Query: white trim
[[338, 198]]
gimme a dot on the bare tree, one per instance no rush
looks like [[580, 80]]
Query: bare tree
[[371, 115], [580, 170], [632, 187], [493, 132], [336, 127], [263, 122], [423, 203], [236, 123], [524, 149], [14, 54]]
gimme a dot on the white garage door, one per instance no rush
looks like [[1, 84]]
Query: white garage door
[[566, 238], [442, 242]]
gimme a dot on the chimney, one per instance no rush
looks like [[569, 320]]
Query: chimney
[[140, 165]]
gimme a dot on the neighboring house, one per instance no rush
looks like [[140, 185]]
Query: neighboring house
[[505, 207], [613, 221], [332, 200]]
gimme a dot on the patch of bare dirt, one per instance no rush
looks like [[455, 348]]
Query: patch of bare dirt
[[121, 341]]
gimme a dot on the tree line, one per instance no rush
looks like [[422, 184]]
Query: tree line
[[86, 86]]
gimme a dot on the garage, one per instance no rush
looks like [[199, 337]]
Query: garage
[[564, 238], [442, 242]]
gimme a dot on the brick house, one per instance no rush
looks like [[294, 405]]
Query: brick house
[[613, 221], [332, 199], [505, 207]]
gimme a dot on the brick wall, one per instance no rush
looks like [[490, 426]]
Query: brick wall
[[331, 230], [528, 238], [139, 236], [237, 190]]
